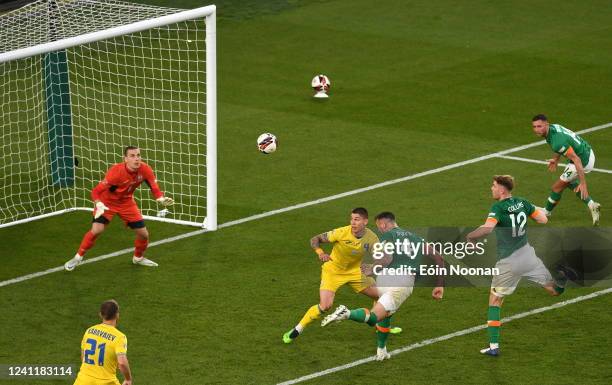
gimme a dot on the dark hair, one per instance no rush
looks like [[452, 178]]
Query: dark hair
[[505, 180], [128, 148], [109, 310], [539, 117], [360, 211], [386, 215]]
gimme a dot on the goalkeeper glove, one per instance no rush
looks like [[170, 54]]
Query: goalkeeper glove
[[100, 209], [165, 201]]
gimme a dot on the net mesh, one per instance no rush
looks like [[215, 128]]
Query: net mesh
[[146, 89]]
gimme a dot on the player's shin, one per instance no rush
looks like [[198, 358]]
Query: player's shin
[[382, 332], [586, 200], [140, 245], [493, 326], [552, 201], [89, 240], [313, 313]]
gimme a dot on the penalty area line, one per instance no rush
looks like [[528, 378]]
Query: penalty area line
[[459, 333], [270, 213]]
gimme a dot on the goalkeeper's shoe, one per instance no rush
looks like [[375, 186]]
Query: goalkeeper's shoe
[[290, 336], [395, 330], [595, 208], [73, 263], [490, 351], [143, 261], [382, 354], [341, 313]]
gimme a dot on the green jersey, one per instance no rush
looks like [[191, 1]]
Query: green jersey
[[561, 140], [511, 229], [411, 249]]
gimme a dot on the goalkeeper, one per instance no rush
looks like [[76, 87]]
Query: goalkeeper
[[114, 195]]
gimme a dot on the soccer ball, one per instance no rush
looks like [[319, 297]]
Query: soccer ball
[[321, 84], [267, 143]]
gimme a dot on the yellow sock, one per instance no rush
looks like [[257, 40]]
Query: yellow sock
[[312, 314]]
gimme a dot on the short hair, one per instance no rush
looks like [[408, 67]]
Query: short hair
[[505, 180], [360, 211], [109, 309], [128, 148], [541, 117], [385, 215]]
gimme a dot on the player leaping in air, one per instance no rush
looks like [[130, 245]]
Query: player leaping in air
[[393, 289], [515, 256], [342, 266], [581, 161], [114, 195]]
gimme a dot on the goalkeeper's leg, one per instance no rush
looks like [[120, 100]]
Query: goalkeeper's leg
[[130, 214], [312, 314], [89, 240], [140, 244]]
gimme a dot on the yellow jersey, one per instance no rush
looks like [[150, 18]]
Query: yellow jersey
[[100, 345], [348, 250]]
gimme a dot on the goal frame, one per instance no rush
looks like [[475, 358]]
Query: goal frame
[[207, 12]]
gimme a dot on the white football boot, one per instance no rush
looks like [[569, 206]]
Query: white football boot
[[341, 313], [595, 208], [73, 262], [143, 261], [382, 354]]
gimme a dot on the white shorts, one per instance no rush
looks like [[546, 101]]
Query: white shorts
[[391, 298], [570, 174], [522, 263]]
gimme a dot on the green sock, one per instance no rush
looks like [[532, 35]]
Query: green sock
[[364, 316], [559, 289], [573, 185], [494, 324], [382, 332], [552, 200]]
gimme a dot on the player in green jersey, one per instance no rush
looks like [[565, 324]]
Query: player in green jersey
[[397, 259], [516, 258], [581, 161]]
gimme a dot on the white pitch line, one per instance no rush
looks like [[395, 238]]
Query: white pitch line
[[305, 204], [447, 337], [545, 162]]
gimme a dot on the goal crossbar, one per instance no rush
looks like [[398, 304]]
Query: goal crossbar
[[109, 33]]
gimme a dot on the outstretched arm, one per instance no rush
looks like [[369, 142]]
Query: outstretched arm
[[539, 216], [482, 231], [315, 243], [151, 181]]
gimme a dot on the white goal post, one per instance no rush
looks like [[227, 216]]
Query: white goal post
[[83, 79]]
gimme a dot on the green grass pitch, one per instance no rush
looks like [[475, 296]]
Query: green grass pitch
[[415, 86]]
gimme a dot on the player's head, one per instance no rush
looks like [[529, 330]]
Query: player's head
[[385, 221], [539, 124], [359, 219], [502, 186], [109, 310], [131, 157]]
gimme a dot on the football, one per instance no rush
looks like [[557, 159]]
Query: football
[[321, 84], [267, 143]]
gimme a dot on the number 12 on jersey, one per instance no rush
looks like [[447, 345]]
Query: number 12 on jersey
[[519, 220]]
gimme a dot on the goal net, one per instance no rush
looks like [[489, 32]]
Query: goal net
[[83, 79]]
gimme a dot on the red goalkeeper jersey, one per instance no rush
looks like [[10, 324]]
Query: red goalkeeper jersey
[[119, 184]]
